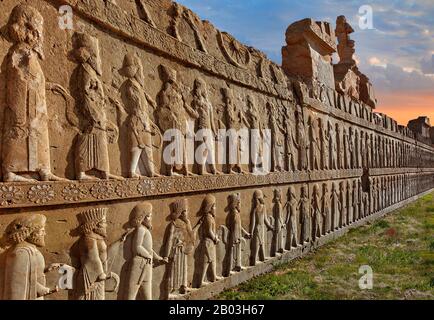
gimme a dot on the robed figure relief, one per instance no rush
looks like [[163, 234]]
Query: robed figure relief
[[26, 143], [259, 225], [141, 130], [178, 245], [97, 131], [23, 267]]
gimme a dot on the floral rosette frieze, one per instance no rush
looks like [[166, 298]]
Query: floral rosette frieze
[[41, 194], [10, 195]]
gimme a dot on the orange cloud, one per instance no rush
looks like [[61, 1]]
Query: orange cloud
[[404, 107]]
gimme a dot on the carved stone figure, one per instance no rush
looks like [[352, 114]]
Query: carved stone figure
[[355, 201], [140, 127], [291, 141], [350, 211], [206, 125], [347, 149], [259, 222], [333, 147], [206, 254], [340, 148], [302, 142], [257, 127], [316, 213], [26, 145], [343, 200], [236, 233], [24, 265], [278, 245], [361, 200], [336, 206], [291, 223], [325, 146], [174, 115], [326, 209], [304, 211], [315, 146], [98, 131], [277, 143], [235, 121], [178, 244], [352, 149], [92, 260], [142, 255]]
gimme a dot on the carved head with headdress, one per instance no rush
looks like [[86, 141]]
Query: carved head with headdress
[[234, 201], [291, 193], [208, 206], [26, 26], [132, 68], [141, 214], [93, 221], [200, 88], [28, 228], [179, 210], [258, 196], [86, 50], [277, 195], [168, 74]]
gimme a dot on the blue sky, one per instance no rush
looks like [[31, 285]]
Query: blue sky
[[398, 54]]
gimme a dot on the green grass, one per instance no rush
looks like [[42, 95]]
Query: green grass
[[399, 249]]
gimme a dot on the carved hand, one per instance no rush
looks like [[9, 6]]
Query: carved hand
[[102, 277], [54, 266]]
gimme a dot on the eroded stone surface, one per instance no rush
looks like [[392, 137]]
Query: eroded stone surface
[[84, 114]]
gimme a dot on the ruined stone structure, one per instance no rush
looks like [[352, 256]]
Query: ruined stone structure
[[89, 209]]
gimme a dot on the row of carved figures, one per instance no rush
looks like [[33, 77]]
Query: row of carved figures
[[312, 144], [126, 266]]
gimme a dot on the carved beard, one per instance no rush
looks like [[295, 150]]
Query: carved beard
[[36, 40], [148, 224], [37, 240], [101, 231]]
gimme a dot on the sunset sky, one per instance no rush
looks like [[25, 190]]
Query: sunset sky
[[397, 54]]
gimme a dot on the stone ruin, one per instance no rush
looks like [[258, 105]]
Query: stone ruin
[[91, 210]]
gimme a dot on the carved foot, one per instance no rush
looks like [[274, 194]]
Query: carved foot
[[84, 177], [156, 175], [218, 278], [239, 269], [48, 176], [184, 290], [175, 174], [109, 176], [135, 176], [12, 177]]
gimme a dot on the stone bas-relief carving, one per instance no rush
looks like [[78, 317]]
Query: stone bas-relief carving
[[92, 143], [140, 127], [24, 265], [92, 257], [26, 144], [142, 256], [259, 225], [237, 235], [206, 259], [335, 163], [178, 245]]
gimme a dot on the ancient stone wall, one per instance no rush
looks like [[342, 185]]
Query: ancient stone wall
[[84, 111]]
